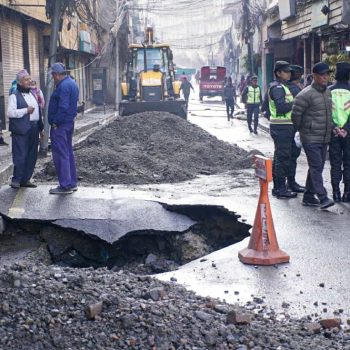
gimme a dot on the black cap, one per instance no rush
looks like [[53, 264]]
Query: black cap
[[320, 68], [282, 65], [297, 69], [343, 66]]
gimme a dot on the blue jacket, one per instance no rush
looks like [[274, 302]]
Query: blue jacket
[[63, 102]]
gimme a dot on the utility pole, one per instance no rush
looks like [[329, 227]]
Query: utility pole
[[55, 25], [117, 64], [248, 35]]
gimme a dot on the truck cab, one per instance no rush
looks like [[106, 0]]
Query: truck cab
[[212, 81]]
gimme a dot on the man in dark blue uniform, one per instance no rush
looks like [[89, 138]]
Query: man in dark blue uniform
[[61, 114]]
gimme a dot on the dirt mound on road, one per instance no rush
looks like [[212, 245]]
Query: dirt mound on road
[[152, 147]]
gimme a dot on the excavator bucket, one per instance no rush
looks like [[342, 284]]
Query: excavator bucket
[[177, 107]]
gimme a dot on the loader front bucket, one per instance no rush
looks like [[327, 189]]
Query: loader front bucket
[[177, 107]]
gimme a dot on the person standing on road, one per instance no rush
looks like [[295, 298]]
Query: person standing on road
[[252, 98], [186, 87], [230, 95], [312, 117], [339, 147], [61, 114], [295, 87], [25, 124], [281, 129]]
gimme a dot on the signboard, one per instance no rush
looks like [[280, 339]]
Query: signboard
[[263, 168], [318, 18], [287, 8], [97, 84]]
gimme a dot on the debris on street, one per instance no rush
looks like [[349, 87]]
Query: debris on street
[[152, 147], [62, 308]]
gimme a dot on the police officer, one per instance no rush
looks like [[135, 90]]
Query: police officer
[[339, 147], [295, 87], [251, 96], [281, 129]]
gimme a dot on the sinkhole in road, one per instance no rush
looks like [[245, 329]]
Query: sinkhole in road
[[142, 251]]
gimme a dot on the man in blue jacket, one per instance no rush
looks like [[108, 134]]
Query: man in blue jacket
[[61, 114]]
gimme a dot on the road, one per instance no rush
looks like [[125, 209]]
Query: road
[[317, 278]]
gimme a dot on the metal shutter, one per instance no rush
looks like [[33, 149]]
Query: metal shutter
[[12, 52]]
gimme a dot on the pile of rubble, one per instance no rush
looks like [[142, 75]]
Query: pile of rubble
[[152, 147], [44, 308]]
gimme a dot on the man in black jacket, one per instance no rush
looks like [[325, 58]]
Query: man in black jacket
[[281, 129], [312, 117], [339, 147]]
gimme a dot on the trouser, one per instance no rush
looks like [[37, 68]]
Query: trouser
[[316, 157], [252, 111], [62, 154], [24, 154], [339, 157], [230, 107], [186, 97]]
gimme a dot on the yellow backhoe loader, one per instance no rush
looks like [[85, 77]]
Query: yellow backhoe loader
[[149, 83]]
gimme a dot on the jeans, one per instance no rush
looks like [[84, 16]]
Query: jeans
[[316, 157]]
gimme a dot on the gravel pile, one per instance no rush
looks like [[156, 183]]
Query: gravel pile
[[152, 147], [45, 308]]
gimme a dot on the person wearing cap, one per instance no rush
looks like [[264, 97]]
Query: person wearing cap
[[25, 124], [295, 87], [312, 117], [339, 147], [281, 129], [229, 95], [251, 97], [61, 113]]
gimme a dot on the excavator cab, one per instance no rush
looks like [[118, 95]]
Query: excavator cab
[[150, 80]]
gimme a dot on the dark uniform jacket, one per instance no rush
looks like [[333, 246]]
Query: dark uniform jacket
[[312, 114]]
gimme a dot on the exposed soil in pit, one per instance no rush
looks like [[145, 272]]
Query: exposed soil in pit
[[152, 147], [144, 252]]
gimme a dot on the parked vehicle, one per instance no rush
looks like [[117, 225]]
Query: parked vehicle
[[212, 81]]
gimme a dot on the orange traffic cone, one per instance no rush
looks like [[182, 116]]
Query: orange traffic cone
[[263, 247]]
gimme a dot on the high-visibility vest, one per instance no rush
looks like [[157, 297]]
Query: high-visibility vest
[[253, 95], [281, 118], [340, 106]]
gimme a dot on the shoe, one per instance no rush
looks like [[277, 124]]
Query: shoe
[[337, 196], [60, 190], [310, 200], [274, 192], [29, 184], [326, 203], [346, 197], [15, 185], [2, 142], [285, 194], [250, 130], [74, 189], [256, 132], [295, 187]]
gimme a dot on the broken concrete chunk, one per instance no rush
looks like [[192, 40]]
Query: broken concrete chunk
[[93, 310], [313, 327], [330, 323], [237, 317]]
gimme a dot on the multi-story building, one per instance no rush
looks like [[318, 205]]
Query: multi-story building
[[25, 39], [305, 32]]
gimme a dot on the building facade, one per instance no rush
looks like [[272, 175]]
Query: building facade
[[24, 43]]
